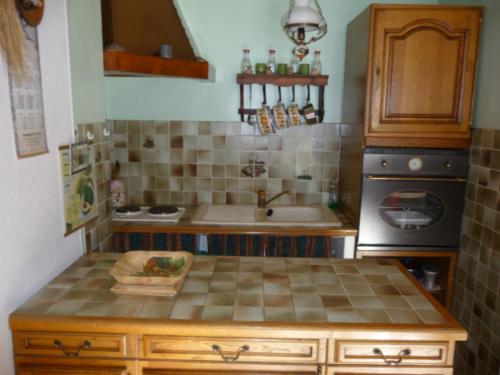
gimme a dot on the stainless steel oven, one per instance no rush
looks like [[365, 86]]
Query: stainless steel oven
[[411, 198]]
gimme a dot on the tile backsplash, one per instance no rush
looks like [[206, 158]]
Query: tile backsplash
[[99, 234], [477, 286], [223, 162]]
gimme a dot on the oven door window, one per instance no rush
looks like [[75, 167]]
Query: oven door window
[[411, 209]]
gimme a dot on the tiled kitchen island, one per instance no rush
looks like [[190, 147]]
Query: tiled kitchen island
[[238, 314]]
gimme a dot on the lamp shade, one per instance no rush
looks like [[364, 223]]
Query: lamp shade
[[302, 15]]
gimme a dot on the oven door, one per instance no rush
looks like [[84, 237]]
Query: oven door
[[404, 211]]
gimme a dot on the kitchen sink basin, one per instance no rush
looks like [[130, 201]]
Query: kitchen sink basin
[[237, 214]]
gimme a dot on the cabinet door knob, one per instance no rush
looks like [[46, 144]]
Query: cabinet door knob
[[59, 345], [230, 358], [403, 353], [383, 163], [447, 165]]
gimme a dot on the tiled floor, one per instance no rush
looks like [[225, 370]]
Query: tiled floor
[[248, 289]]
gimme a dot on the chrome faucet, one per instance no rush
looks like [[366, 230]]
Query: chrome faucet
[[261, 198]]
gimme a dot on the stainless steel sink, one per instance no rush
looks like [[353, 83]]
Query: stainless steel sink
[[303, 216]]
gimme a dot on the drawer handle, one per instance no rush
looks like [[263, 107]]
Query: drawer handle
[[58, 344], [403, 353], [230, 358]]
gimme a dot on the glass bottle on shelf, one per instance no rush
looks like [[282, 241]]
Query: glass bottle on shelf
[[316, 65], [333, 195], [293, 68], [246, 64], [271, 62]]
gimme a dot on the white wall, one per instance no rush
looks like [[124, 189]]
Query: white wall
[[221, 29], [87, 72], [486, 108], [32, 247]]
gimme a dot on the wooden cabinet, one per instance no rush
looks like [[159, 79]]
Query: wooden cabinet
[[445, 260], [412, 67], [133, 348]]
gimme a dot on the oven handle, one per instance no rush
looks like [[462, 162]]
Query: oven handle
[[445, 179]]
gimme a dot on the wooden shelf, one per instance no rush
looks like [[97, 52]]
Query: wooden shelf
[[282, 80], [128, 64]]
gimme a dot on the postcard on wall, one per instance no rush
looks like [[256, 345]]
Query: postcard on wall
[[79, 187], [80, 156], [27, 101]]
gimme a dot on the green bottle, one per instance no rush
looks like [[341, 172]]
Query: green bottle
[[333, 196]]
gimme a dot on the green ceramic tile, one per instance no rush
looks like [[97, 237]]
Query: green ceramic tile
[[217, 313], [250, 314], [358, 289], [249, 277], [373, 316], [277, 300], [404, 316], [336, 301], [156, 310], [252, 300], [365, 302], [222, 286], [310, 315], [343, 315], [276, 288], [94, 309], [352, 279], [304, 300], [186, 312], [280, 314], [186, 298], [68, 307], [419, 302], [394, 302], [431, 316], [221, 299], [330, 289], [251, 288], [125, 310]]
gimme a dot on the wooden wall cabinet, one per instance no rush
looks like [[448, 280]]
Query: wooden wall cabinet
[[161, 348], [412, 68]]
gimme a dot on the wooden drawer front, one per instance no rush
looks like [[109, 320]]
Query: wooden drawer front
[[388, 371], [259, 350], [362, 352], [69, 370], [70, 345]]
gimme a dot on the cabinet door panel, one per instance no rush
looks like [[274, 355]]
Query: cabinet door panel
[[422, 72]]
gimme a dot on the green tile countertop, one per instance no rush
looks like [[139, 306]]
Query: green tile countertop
[[247, 289]]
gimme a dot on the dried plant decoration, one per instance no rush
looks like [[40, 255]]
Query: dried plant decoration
[[12, 39]]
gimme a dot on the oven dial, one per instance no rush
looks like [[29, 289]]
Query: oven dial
[[415, 164]]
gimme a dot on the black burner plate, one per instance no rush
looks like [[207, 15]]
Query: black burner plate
[[159, 210], [128, 209]]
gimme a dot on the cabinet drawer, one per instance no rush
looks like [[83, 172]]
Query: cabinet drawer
[[388, 371], [70, 370], [390, 352], [70, 345], [235, 349]]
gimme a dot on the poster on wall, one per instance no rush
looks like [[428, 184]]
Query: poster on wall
[[79, 188], [27, 101]]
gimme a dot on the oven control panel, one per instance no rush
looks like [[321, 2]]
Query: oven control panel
[[424, 162]]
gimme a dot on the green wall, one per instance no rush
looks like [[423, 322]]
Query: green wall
[[85, 49], [221, 29], [486, 108]]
